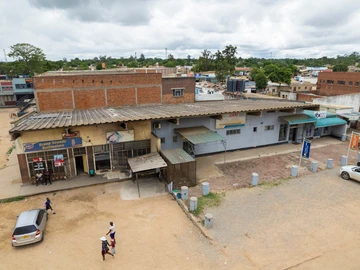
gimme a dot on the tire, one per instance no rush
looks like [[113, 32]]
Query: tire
[[345, 175]]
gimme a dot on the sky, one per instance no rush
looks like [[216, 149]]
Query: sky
[[121, 28]]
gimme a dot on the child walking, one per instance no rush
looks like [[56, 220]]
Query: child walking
[[112, 244], [104, 248], [47, 205]]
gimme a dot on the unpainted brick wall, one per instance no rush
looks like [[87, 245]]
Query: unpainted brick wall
[[53, 101], [121, 97], [187, 83], [305, 97], [325, 89], [148, 95]]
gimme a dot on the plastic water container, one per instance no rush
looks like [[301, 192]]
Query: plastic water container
[[178, 195]]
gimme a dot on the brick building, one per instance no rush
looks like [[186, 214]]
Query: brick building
[[338, 83]]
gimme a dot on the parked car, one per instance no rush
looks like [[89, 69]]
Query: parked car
[[350, 172], [29, 227]]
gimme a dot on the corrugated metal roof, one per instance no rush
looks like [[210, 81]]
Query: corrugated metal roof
[[48, 120], [311, 114], [177, 155], [146, 162], [328, 122], [198, 135], [298, 119]]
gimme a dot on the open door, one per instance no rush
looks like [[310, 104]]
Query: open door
[[85, 164]]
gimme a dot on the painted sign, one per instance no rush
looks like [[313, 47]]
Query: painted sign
[[58, 160], [120, 136], [354, 142], [38, 166], [231, 120], [70, 135], [320, 114], [50, 145], [37, 159], [306, 149]]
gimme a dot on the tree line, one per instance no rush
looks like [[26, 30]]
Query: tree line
[[29, 60]]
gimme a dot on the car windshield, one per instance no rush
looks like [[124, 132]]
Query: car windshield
[[25, 230]]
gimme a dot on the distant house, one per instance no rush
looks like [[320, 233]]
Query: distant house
[[275, 88]]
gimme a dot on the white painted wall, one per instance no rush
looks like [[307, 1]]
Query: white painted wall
[[352, 100]]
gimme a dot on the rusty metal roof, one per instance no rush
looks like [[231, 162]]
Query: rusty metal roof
[[146, 162], [49, 120]]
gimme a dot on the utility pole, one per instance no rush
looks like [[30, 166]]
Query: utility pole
[[166, 53], [5, 56]]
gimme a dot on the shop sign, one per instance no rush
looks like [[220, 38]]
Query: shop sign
[[120, 136], [50, 145], [38, 166], [58, 160], [231, 120], [320, 114], [70, 135], [37, 159]]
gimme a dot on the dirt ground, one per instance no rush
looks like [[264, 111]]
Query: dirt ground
[[238, 174], [152, 233], [5, 143]]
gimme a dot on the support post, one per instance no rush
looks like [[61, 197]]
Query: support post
[[254, 179], [343, 160], [193, 203], [208, 221], [329, 163], [205, 188], [314, 166], [184, 193], [137, 182]]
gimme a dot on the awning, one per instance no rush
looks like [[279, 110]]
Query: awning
[[198, 135], [298, 119], [146, 162], [177, 156], [328, 122]]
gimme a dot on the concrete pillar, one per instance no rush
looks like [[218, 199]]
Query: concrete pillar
[[255, 179], [314, 166], [205, 188], [343, 138], [208, 221], [343, 160], [193, 203], [184, 193], [329, 163], [294, 171]]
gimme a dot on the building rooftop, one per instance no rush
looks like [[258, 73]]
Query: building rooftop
[[85, 72], [49, 120]]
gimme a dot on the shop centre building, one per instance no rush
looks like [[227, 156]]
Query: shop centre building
[[97, 121]]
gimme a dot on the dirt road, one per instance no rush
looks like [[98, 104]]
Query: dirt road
[[152, 233], [5, 143]]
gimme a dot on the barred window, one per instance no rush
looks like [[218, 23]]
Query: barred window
[[233, 132]]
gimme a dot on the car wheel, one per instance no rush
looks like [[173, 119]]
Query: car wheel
[[345, 175]]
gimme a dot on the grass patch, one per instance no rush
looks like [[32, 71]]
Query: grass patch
[[275, 183], [15, 199], [10, 150], [210, 200]]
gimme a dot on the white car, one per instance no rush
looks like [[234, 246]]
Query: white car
[[350, 172]]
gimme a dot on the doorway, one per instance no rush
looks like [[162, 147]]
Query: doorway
[[102, 162], [79, 165], [292, 134]]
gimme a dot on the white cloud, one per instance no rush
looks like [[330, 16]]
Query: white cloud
[[259, 28]]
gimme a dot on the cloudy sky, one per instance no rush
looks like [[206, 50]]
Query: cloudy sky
[[259, 28]]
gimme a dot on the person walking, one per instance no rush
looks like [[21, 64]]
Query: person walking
[[112, 230], [112, 244], [104, 247], [47, 204]]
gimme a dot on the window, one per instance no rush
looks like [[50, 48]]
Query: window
[[254, 129], [350, 83], [175, 139], [341, 82], [305, 87], [356, 83], [162, 140], [39, 218], [283, 132], [330, 81], [269, 127], [233, 132], [178, 92]]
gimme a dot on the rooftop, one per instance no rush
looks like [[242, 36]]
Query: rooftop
[[49, 120], [85, 72]]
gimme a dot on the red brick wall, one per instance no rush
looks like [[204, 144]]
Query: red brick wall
[[120, 97], [148, 95], [51, 101], [326, 89], [306, 97], [186, 83], [24, 172], [86, 99]]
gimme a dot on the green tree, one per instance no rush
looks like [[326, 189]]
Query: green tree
[[99, 66], [225, 62], [142, 58], [261, 80], [340, 68], [30, 58]]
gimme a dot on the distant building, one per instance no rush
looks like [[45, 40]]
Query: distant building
[[338, 83], [275, 88]]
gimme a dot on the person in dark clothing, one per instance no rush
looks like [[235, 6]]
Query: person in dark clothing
[[47, 178], [104, 247], [47, 204]]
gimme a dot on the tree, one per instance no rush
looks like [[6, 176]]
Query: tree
[[225, 62], [261, 80], [99, 66], [30, 58], [340, 68], [142, 58]]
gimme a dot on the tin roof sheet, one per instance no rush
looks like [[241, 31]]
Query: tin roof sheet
[[328, 122], [146, 162], [177, 156], [198, 135], [298, 119], [49, 120]]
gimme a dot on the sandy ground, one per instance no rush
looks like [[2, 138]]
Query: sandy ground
[[152, 233], [5, 143]]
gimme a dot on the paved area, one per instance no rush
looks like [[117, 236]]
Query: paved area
[[297, 224]]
